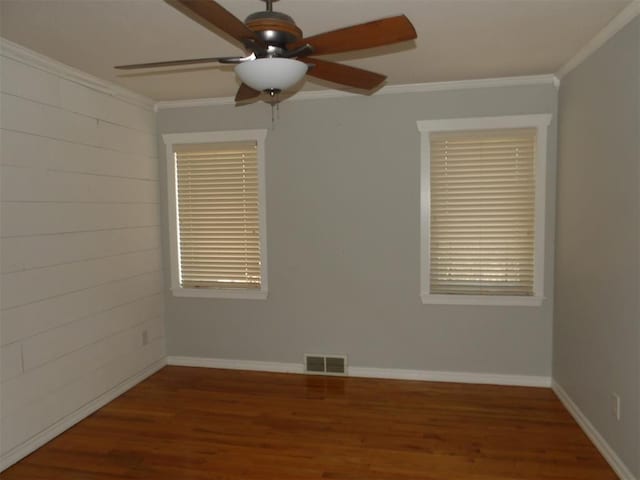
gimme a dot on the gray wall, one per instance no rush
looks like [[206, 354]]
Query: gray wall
[[597, 316], [343, 242]]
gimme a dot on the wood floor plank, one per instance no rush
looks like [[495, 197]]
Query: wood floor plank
[[195, 423]]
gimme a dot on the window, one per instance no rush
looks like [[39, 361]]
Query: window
[[217, 209], [482, 210]]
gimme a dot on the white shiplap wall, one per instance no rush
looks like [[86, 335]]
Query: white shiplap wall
[[80, 261]]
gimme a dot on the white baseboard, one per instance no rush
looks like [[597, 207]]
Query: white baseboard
[[453, 377], [69, 421], [389, 373], [230, 364], [601, 444]]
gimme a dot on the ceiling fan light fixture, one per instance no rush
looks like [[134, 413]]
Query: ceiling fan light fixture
[[271, 73]]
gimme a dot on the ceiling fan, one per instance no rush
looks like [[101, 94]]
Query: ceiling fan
[[279, 54]]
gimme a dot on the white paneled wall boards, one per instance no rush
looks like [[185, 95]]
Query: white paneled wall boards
[[80, 259]]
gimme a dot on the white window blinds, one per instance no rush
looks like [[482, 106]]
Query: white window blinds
[[482, 214], [218, 215]]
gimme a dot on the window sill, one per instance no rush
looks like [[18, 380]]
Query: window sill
[[220, 293], [482, 300]]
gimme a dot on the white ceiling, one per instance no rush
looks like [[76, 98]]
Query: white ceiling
[[457, 39]]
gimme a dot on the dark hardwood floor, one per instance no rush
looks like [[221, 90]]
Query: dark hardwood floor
[[192, 423]]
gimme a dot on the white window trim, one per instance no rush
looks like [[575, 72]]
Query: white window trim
[[171, 139], [541, 122]]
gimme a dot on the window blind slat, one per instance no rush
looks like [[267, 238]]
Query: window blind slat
[[218, 215], [482, 212]]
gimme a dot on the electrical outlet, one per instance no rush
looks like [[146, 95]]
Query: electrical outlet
[[145, 337], [615, 405]]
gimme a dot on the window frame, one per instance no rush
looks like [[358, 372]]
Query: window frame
[[172, 139], [541, 123]]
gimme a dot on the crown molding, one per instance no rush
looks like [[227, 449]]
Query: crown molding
[[630, 12], [24, 55], [388, 90], [18, 53]]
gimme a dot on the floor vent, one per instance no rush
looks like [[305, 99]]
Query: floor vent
[[325, 364]]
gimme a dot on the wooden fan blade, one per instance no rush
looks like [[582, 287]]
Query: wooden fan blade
[[216, 15], [357, 37], [343, 74], [245, 92], [173, 63]]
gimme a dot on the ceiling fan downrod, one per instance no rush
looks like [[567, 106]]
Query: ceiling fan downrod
[[269, 5]]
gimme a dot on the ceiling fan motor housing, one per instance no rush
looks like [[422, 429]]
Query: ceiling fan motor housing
[[275, 29]]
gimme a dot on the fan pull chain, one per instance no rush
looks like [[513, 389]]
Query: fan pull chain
[[275, 107], [275, 114]]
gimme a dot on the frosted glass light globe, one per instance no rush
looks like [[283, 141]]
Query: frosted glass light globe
[[271, 73]]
